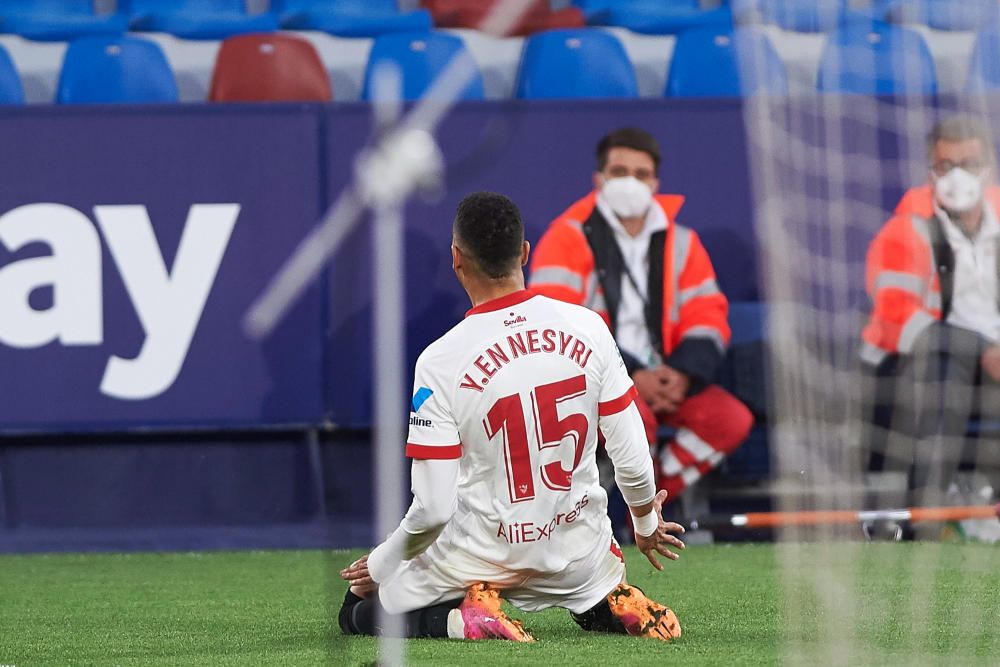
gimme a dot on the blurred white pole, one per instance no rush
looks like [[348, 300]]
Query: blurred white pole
[[389, 406], [388, 315], [304, 266]]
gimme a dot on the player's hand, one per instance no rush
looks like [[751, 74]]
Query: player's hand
[[660, 541], [990, 361], [652, 387], [357, 575]]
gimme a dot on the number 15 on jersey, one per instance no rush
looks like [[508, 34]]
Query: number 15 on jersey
[[507, 419]]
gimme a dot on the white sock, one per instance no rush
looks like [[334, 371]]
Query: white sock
[[456, 624]]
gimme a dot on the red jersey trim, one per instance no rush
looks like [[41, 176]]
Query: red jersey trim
[[436, 453], [616, 405], [617, 550], [505, 301]]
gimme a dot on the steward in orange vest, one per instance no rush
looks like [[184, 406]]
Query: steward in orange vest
[[909, 274], [577, 260], [933, 274], [652, 281]]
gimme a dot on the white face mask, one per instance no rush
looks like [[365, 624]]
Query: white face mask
[[959, 191], [627, 196]]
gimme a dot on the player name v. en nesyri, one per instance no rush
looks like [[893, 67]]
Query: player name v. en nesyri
[[523, 343]]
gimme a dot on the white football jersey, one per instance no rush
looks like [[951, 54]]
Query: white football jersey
[[515, 391]]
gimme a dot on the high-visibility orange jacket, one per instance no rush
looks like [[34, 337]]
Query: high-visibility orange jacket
[[578, 260], [908, 274]]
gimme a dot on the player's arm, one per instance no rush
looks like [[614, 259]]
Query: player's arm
[[434, 444], [435, 494], [625, 442]]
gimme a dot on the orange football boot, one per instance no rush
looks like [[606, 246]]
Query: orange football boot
[[641, 616], [483, 619]]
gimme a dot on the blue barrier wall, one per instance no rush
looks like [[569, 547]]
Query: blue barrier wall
[[83, 188], [80, 190], [246, 183]]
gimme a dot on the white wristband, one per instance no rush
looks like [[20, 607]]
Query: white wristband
[[646, 525]]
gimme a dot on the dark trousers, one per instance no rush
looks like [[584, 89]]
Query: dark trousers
[[360, 616], [921, 411]]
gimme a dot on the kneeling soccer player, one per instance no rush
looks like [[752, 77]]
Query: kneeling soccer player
[[503, 433]]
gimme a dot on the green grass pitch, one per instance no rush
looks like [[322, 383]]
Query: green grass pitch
[[912, 604]]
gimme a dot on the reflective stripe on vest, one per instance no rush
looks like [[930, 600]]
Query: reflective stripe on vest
[[914, 326], [682, 246], [707, 333], [554, 275]]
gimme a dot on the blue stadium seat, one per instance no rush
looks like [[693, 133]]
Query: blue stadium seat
[[421, 57], [575, 64], [57, 20], [198, 19], [351, 18], [744, 373], [11, 91], [895, 11], [956, 15], [804, 15], [655, 17], [110, 70], [596, 11], [962, 14], [723, 62], [875, 58], [984, 66]]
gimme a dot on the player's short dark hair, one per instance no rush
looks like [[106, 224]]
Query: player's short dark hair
[[961, 127], [627, 137], [488, 228]]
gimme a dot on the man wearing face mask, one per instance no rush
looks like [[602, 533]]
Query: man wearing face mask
[[619, 251], [932, 273]]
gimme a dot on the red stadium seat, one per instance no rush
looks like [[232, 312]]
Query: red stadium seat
[[269, 68], [569, 17], [470, 14]]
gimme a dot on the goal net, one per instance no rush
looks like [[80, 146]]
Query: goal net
[[828, 171]]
